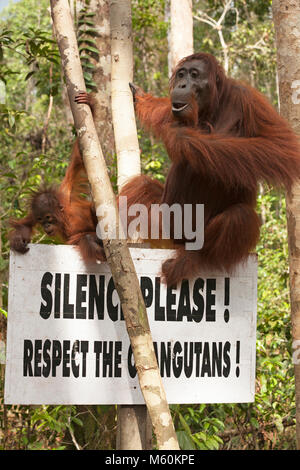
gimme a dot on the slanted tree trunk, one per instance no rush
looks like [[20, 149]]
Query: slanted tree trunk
[[117, 252], [286, 14]]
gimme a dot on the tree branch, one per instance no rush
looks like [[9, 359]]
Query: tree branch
[[217, 25]]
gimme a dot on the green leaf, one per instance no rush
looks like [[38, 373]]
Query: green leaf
[[89, 49], [77, 421], [88, 15], [184, 441], [184, 424], [86, 41], [89, 31], [3, 312], [11, 119], [84, 22], [89, 66]]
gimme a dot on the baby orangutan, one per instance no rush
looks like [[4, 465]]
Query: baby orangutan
[[62, 212]]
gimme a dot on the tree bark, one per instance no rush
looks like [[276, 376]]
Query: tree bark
[[103, 123], [133, 431], [286, 15], [134, 428], [127, 146], [117, 252], [102, 78], [181, 32]]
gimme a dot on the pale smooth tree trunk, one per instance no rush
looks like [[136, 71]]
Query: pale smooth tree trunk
[[286, 15], [133, 430], [181, 42], [117, 252], [127, 146]]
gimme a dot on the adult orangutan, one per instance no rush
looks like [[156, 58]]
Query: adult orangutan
[[61, 211], [223, 137]]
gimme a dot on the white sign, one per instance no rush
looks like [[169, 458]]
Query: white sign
[[67, 341]]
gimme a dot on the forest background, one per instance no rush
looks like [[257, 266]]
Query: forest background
[[35, 148]]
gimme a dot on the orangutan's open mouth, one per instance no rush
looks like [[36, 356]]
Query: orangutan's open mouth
[[178, 107]]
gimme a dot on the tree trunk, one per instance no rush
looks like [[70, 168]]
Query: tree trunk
[[134, 428], [133, 431], [102, 78], [286, 14], [117, 252], [181, 31], [3, 325], [127, 145]]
